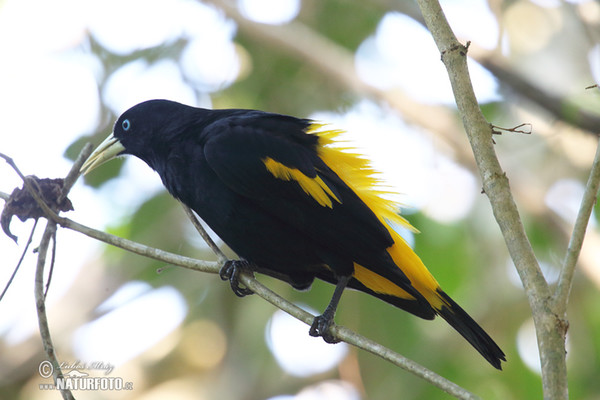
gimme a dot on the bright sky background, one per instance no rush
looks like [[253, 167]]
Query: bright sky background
[[49, 96]]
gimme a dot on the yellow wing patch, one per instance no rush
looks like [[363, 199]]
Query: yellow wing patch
[[358, 174], [314, 187]]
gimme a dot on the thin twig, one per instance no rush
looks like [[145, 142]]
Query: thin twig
[[11, 162], [52, 261], [20, 260], [74, 173], [31, 185], [211, 243], [68, 183], [497, 130], [588, 201]]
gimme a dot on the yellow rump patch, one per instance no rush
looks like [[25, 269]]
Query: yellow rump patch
[[379, 284], [314, 187], [414, 269]]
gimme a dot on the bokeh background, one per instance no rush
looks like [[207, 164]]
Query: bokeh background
[[70, 67]]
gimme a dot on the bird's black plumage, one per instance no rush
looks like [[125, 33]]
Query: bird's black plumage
[[269, 187]]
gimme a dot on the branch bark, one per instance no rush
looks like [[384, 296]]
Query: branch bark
[[549, 327]]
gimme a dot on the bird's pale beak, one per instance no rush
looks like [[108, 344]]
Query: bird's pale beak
[[106, 151]]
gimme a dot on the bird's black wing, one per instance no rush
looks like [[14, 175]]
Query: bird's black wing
[[270, 160]]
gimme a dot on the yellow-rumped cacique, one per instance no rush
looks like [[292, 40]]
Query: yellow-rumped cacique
[[290, 203]]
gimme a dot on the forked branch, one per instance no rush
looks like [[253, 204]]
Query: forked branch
[[550, 325]]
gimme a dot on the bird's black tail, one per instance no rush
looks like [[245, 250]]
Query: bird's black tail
[[452, 313], [470, 330]]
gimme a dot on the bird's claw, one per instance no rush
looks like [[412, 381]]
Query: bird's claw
[[320, 327], [231, 271]]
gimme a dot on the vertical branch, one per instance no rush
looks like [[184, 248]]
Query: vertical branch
[[565, 280], [549, 328], [40, 293], [40, 303], [49, 233]]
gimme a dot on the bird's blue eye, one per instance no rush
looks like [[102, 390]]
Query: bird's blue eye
[[126, 125]]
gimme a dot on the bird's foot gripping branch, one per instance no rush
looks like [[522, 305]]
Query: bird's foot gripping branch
[[231, 271]]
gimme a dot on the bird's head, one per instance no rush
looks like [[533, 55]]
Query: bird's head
[[143, 130]]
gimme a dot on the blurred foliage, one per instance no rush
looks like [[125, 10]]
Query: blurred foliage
[[468, 257]]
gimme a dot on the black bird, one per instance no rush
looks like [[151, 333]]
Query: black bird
[[290, 203]]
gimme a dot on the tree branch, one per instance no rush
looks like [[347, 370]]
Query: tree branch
[[49, 234], [550, 337], [74, 173], [359, 341], [258, 288], [40, 293], [588, 201], [140, 249], [40, 302], [262, 291]]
